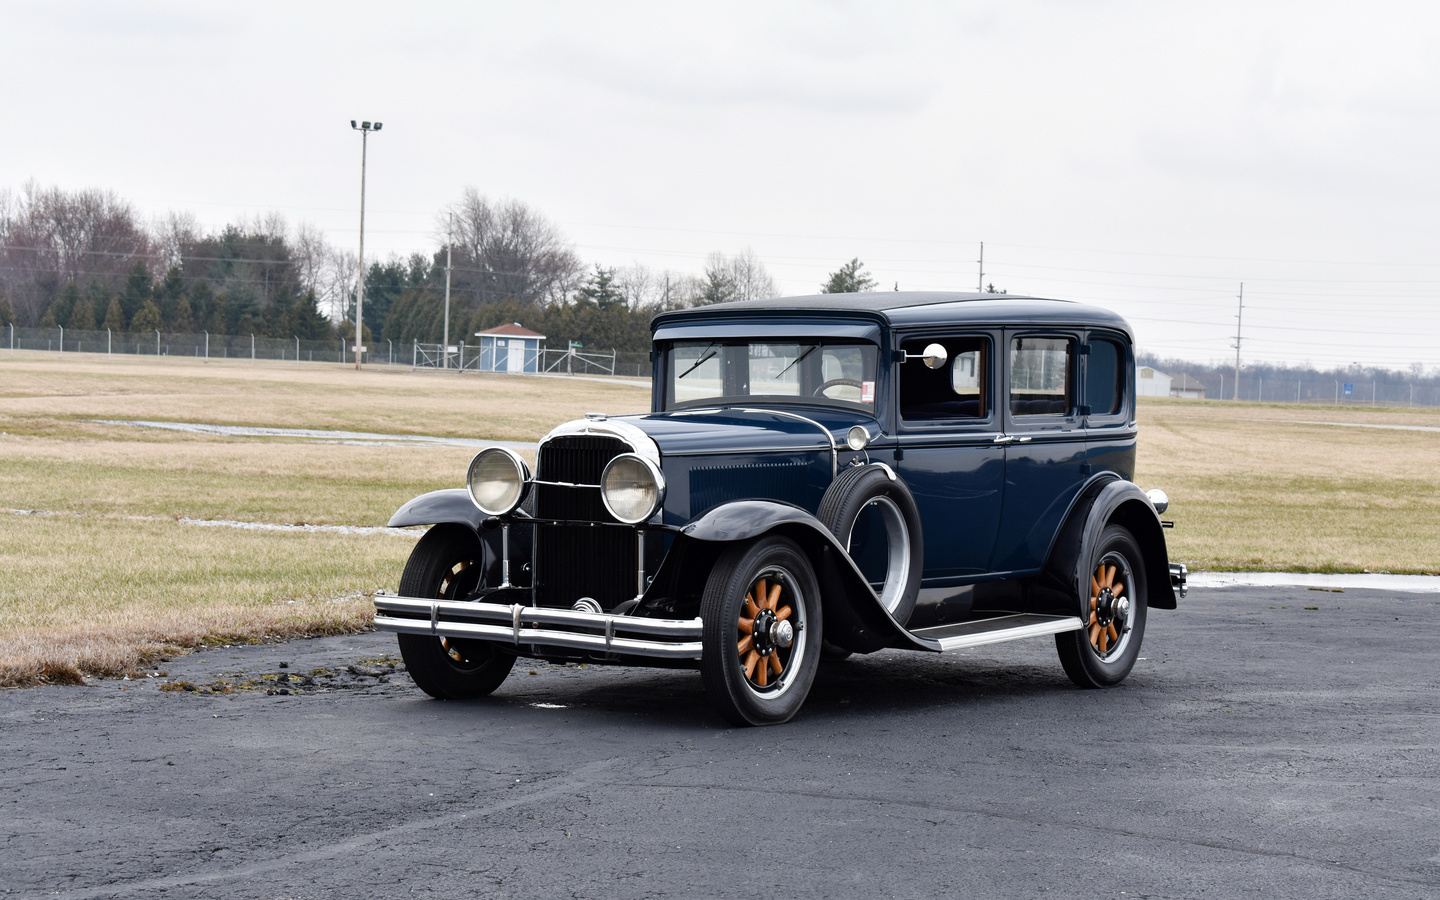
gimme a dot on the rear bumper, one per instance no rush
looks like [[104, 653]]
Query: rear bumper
[[1178, 574], [527, 627]]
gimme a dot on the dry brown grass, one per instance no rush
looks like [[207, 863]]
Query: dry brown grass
[[43, 394], [99, 596], [1253, 488]]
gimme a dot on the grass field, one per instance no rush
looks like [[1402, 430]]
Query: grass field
[[113, 577]]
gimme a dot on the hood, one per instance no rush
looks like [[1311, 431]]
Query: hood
[[737, 430]]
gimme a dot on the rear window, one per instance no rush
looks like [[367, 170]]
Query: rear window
[[1103, 370]]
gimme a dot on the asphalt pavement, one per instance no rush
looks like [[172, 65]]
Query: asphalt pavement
[[1271, 743]]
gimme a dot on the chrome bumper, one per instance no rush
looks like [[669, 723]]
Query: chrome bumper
[[1178, 574], [539, 627]]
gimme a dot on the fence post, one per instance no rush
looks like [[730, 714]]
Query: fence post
[[415, 354], [461, 370], [390, 354], [297, 351], [12, 338], [107, 341], [62, 339], [1373, 391], [252, 348], [157, 343], [342, 351]]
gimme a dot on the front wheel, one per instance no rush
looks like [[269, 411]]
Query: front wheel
[[762, 631], [1103, 652], [448, 564]]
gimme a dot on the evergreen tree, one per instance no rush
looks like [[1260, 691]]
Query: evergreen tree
[[183, 320], [138, 289], [114, 316], [64, 305], [716, 288], [600, 290], [305, 320], [82, 317], [850, 278], [7, 312], [147, 319]]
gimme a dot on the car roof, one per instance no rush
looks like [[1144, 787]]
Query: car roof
[[912, 308]]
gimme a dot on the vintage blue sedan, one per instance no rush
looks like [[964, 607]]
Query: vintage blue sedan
[[818, 476]]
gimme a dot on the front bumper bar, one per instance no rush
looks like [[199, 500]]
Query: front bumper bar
[[534, 626]]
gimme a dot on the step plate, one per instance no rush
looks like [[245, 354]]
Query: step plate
[[978, 632]]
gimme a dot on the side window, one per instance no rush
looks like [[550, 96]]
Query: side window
[[1041, 376], [958, 390], [1104, 370]]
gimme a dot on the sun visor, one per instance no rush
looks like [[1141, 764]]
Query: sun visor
[[770, 328]]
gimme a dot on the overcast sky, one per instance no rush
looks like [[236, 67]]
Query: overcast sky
[[1147, 157]]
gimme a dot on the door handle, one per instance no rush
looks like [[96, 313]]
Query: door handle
[[1010, 439]]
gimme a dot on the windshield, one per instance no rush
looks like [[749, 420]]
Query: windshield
[[832, 373]]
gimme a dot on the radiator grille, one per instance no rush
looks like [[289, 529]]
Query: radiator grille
[[580, 560]]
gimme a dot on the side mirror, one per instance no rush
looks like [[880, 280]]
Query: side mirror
[[935, 356]]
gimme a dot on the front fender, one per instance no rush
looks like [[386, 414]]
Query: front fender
[[854, 618], [439, 507]]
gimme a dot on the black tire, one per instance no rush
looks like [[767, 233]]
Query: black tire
[[449, 668], [857, 488], [1089, 656], [753, 697]]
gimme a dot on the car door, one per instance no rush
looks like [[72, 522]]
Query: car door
[[1044, 442], [948, 426]]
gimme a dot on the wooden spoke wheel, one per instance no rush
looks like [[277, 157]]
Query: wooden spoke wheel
[[447, 564], [768, 636], [1109, 627], [1112, 603], [762, 631]]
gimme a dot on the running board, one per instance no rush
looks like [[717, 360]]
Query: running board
[[996, 630]]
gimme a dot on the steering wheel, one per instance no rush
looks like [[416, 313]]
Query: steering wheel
[[837, 382]]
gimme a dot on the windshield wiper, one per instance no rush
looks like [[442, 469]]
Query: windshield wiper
[[704, 356], [796, 361]]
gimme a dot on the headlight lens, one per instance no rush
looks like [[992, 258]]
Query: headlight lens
[[632, 488], [498, 479]]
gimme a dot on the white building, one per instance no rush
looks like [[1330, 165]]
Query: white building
[[1189, 388], [510, 348], [1151, 382]]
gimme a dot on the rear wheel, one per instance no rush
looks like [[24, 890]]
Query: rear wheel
[[447, 564], [762, 628], [1103, 652]]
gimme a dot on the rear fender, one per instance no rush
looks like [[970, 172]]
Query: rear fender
[[1103, 503], [854, 618]]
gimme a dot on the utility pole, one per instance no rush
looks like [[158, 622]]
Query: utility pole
[[449, 243], [1238, 314], [364, 128], [981, 287]]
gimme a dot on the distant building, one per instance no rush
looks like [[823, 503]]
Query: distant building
[[1187, 387], [510, 348], [1151, 382]]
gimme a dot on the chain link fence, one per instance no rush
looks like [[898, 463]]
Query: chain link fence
[[1328, 392], [461, 358]]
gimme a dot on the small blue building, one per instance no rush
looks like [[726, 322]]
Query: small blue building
[[510, 348]]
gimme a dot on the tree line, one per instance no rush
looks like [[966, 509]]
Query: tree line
[[86, 260]]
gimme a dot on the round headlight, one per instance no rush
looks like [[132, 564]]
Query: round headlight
[[632, 488], [498, 479]]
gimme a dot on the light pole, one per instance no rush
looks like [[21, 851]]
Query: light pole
[[364, 128]]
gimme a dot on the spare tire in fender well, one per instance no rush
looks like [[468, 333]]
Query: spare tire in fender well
[[854, 618]]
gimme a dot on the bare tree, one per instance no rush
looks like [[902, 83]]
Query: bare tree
[[50, 237], [506, 250], [738, 277]]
